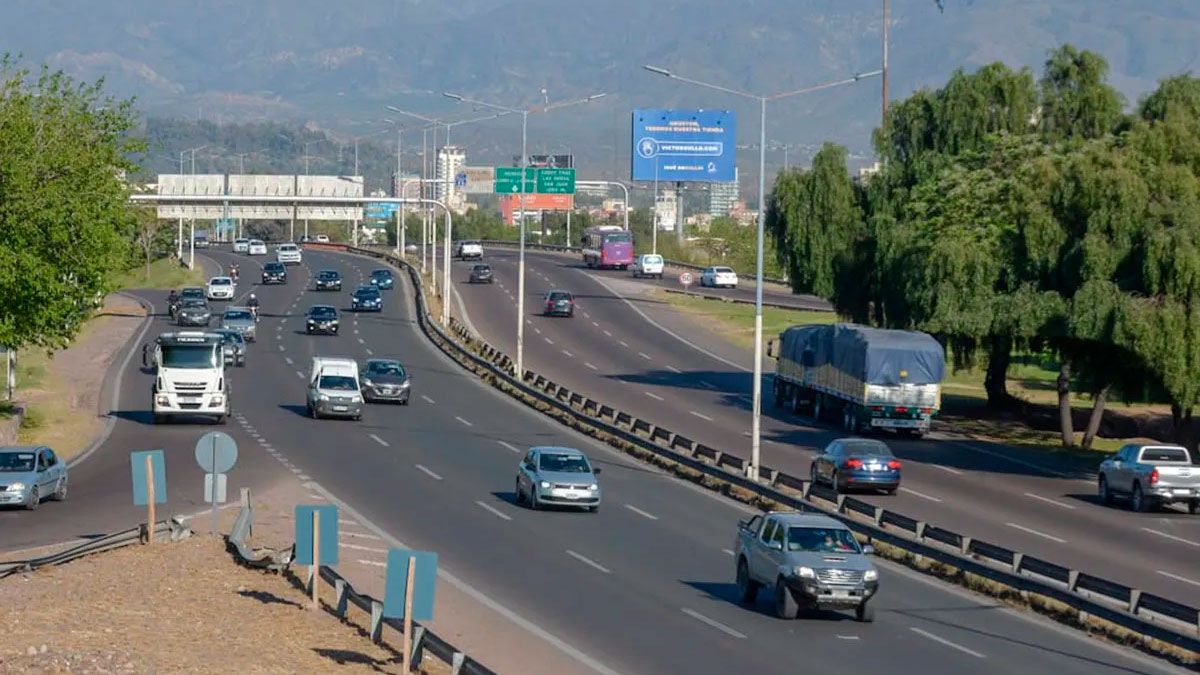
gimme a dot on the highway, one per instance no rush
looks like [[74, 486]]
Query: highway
[[632, 351], [643, 586]]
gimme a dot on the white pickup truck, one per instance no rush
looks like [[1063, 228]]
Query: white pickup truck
[[1151, 475]]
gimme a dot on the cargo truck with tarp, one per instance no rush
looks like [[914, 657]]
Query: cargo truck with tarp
[[866, 378]]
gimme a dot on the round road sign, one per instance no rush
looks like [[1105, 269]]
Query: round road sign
[[686, 278], [216, 452]]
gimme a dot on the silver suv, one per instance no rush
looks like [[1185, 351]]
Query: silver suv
[[809, 561]]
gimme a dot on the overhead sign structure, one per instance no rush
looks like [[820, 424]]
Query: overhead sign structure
[[556, 181], [684, 145], [547, 181], [508, 180]]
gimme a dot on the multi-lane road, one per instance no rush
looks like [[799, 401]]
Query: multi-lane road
[[631, 350], [643, 586]]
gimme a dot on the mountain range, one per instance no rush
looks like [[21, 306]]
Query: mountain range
[[336, 65]]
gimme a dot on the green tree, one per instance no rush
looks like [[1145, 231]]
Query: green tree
[[1077, 101], [65, 223]]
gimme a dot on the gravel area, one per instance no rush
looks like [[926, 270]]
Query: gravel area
[[182, 607]]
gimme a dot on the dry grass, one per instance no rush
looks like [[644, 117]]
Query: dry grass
[[163, 273]]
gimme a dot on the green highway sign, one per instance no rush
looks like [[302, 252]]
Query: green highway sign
[[556, 181], [508, 180]]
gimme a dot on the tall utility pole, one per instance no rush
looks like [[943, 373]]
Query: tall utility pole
[[886, 19]]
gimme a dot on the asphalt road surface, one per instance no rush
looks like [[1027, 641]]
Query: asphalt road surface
[[636, 353]]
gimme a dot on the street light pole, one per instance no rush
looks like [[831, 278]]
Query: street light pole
[[755, 424]]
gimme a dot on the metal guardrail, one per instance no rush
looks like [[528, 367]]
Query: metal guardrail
[[346, 596], [1087, 595], [174, 528]]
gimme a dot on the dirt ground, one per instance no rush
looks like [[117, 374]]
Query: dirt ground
[[63, 400], [173, 607]]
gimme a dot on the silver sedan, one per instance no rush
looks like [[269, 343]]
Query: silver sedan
[[241, 320], [557, 476], [30, 474]]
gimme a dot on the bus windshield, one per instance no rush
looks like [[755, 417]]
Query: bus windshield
[[617, 238], [189, 356]]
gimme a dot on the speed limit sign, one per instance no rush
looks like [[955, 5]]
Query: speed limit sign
[[686, 279]]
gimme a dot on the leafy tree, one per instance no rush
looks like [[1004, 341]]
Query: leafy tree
[[65, 222], [1077, 102]]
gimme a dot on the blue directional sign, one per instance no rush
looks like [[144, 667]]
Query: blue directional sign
[[684, 145], [304, 534], [158, 473], [381, 210], [396, 584]]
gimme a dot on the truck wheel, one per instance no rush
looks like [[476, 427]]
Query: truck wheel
[[816, 414], [1194, 506], [785, 605], [1105, 494], [1138, 500], [222, 419], [747, 587], [865, 613]]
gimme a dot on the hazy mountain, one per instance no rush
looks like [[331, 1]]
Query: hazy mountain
[[337, 64]]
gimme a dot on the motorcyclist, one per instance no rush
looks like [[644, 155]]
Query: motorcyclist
[[252, 303], [172, 302], [233, 271]]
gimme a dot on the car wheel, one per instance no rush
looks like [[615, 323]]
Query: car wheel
[[35, 499], [1138, 500], [836, 482], [785, 605], [865, 613], [816, 414], [1104, 493], [60, 493], [747, 587], [533, 498], [1194, 506], [518, 494], [222, 419]]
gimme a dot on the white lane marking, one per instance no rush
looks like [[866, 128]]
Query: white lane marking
[[919, 494], [464, 422], [1050, 501], [370, 353], [597, 325], [701, 415], [548, 340], [673, 369], [362, 341], [586, 315], [288, 359], [538, 331], [378, 440], [727, 551], [947, 469], [299, 374], [493, 510], [1035, 532], [376, 563], [294, 470], [587, 561], [356, 331], [653, 396], [356, 547], [278, 337], [712, 622], [608, 333], [280, 347], [303, 477], [590, 366], [1172, 537], [641, 513], [427, 472], [427, 399], [706, 385], [568, 354], [944, 641], [847, 637], [624, 344], [1176, 577], [644, 355], [510, 446]]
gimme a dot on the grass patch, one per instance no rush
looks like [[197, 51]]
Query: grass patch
[[734, 321], [164, 273]]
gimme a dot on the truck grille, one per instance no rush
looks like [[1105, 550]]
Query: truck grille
[[190, 386], [839, 576]]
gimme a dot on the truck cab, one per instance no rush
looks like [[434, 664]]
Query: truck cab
[[189, 378], [807, 561], [334, 389]]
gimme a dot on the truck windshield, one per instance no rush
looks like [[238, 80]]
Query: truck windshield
[[189, 356], [1164, 455], [821, 540], [337, 383]]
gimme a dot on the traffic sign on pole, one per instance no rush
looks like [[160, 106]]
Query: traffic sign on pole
[[556, 181], [508, 180]]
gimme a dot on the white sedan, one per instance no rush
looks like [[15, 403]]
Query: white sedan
[[241, 245], [719, 277], [221, 288], [256, 247]]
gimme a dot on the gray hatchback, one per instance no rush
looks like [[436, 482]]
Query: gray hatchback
[[557, 476], [30, 474]]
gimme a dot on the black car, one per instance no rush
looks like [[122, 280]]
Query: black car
[[193, 293], [383, 278], [366, 299], [274, 273], [329, 280], [482, 274], [559, 303], [193, 312], [384, 380], [321, 319]]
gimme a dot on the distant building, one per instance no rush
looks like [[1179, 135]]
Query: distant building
[[405, 181], [450, 159], [865, 173], [613, 206], [722, 197], [666, 209]]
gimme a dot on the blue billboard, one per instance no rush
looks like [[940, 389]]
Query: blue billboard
[[684, 145]]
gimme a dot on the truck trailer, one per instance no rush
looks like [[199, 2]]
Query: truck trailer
[[866, 378]]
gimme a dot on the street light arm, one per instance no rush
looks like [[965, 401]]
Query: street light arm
[[564, 104], [827, 85], [493, 106], [707, 85], [423, 118]]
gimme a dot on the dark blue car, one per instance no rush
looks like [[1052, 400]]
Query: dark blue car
[[366, 299], [383, 279], [857, 464]]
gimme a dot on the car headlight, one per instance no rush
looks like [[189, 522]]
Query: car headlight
[[870, 575], [545, 485], [593, 487], [357, 398], [323, 397], [805, 572], [311, 322], [369, 383], [404, 384], [16, 487], [164, 400]]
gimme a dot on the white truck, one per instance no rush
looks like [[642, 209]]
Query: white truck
[[189, 376], [865, 378], [334, 389]]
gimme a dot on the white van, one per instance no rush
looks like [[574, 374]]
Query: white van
[[334, 389], [288, 254], [648, 265]]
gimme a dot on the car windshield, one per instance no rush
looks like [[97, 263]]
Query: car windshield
[[273, 267], [193, 303], [238, 315], [189, 356], [560, 296], [652, 259], [232, 336], [1164, 455], [868, 448], [16, 462], [221, 281], [287, 247], [482, 268], [192, 293], [385, 368], [327, 274], [322, 312], [821, 540], [618, 238], [723, 270], [240, 241], [381, 274], [337, 383], [256, 242], [564, 463], [367, 293]]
